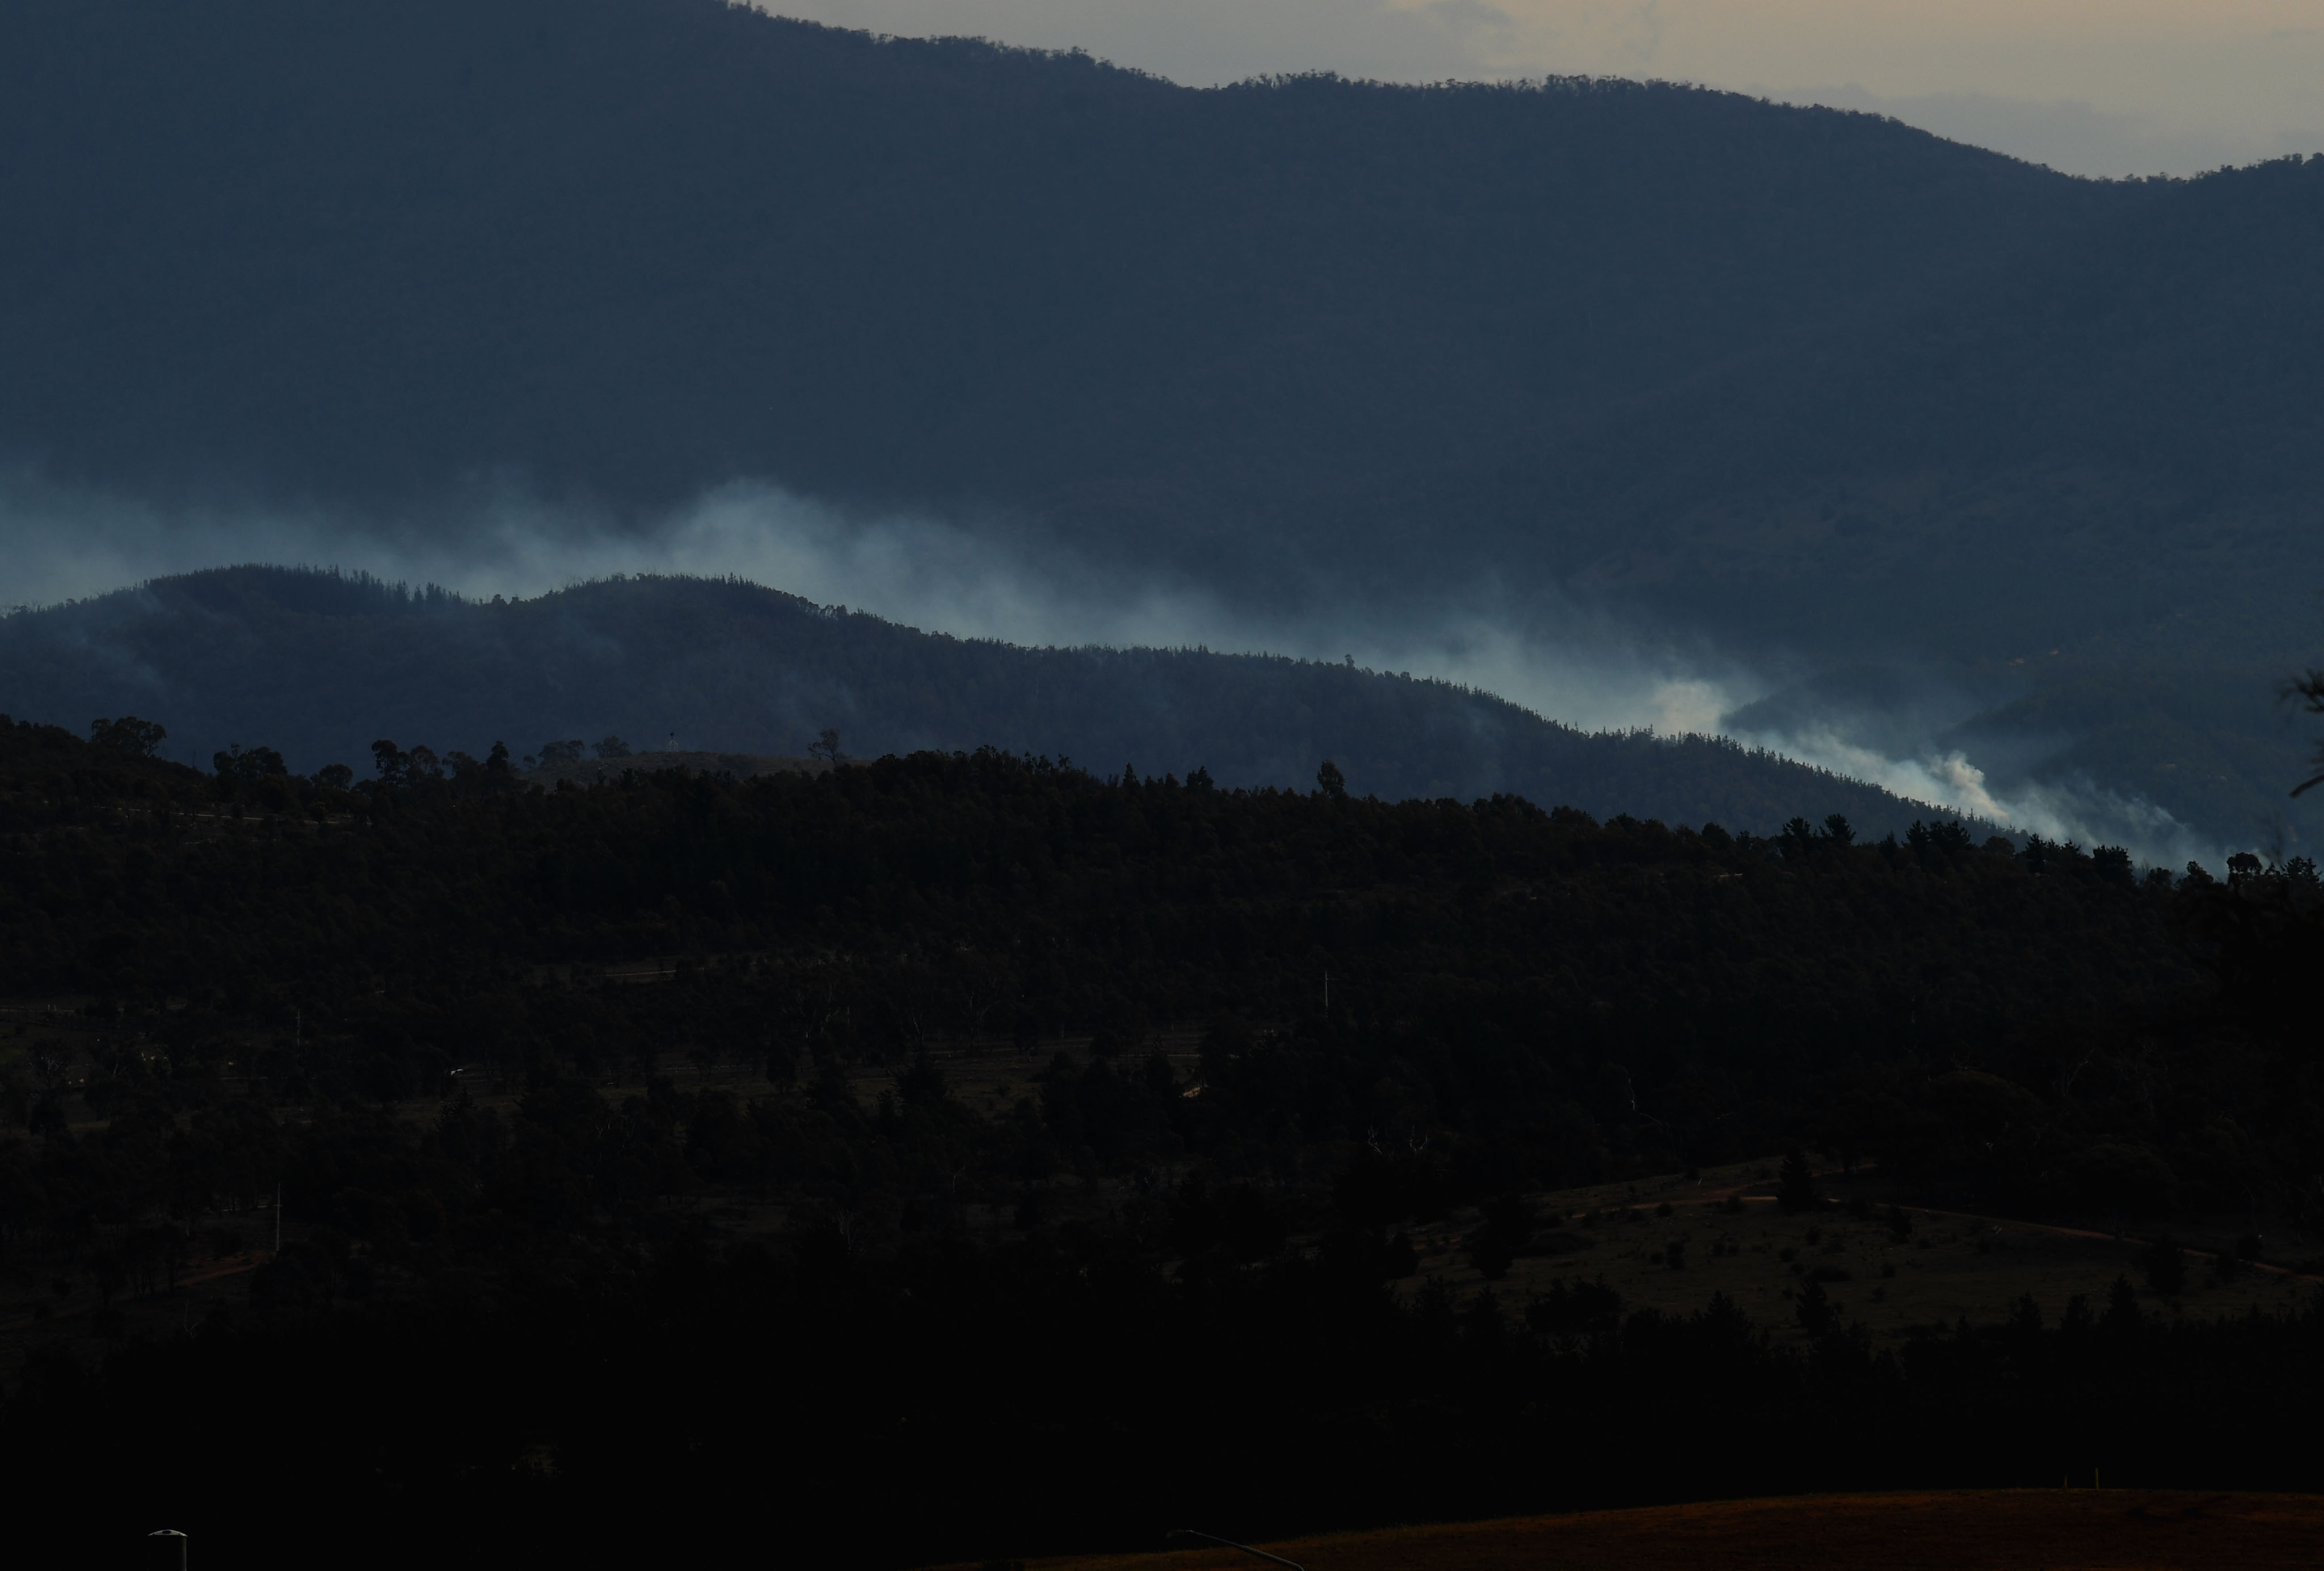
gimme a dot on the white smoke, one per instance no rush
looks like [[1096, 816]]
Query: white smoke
[[2081, 811], [1567, 660]]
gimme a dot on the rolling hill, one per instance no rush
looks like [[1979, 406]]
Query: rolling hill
[[318, 665]]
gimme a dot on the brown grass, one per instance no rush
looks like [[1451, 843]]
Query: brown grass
[[2065, 1530], [1952, 1267]]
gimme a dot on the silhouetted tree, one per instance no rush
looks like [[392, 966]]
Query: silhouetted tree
[[128, 735], [1795, 1189], [1815, 1311], [1509, 1224], [2165, 1263], [255, 763]]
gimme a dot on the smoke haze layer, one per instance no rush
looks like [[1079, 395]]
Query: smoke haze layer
[[1565, 657]]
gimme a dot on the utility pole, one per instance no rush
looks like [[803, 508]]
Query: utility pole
[[1327, 989]]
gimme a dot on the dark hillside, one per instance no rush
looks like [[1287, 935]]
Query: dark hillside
[[2140, 405], [882, 1207], [1812, 387], [319, 666], [636, 246], [641, 244], [950, 895]]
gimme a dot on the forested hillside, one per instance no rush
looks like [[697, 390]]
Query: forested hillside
[[572, 1236], [643, 243], [951, 271], [1812, 388], [318, 666]]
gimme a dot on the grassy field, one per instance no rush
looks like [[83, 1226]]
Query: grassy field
[[2063, 1529], [1667, 1242], [1671, 1242], [1948, 1267]]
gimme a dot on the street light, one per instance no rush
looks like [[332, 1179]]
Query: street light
[[1230, 1543]]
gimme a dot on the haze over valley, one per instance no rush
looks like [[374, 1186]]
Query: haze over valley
[[1636, 405]]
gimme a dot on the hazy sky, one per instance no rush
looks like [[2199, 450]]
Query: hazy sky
[[2093, 87]]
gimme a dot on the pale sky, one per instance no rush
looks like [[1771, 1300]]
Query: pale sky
[[2092, 87]]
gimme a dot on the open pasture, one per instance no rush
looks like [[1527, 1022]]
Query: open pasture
[[1670, 1242]]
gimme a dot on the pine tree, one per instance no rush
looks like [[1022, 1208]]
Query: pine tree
[[1797, 1190]]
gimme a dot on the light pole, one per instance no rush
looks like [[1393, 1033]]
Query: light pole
[[1230, 1543]]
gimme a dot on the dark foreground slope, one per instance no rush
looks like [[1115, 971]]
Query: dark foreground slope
[[635, 1271], [2079, 1529], [321, 666]]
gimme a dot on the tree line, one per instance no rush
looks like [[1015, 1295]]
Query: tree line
[[536, 1266]]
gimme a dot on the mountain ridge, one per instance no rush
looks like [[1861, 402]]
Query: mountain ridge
[[1818, 391], [318, 664]]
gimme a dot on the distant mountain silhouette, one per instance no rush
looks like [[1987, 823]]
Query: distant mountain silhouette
[[633, 246], [319, 665], [1809, 384]]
